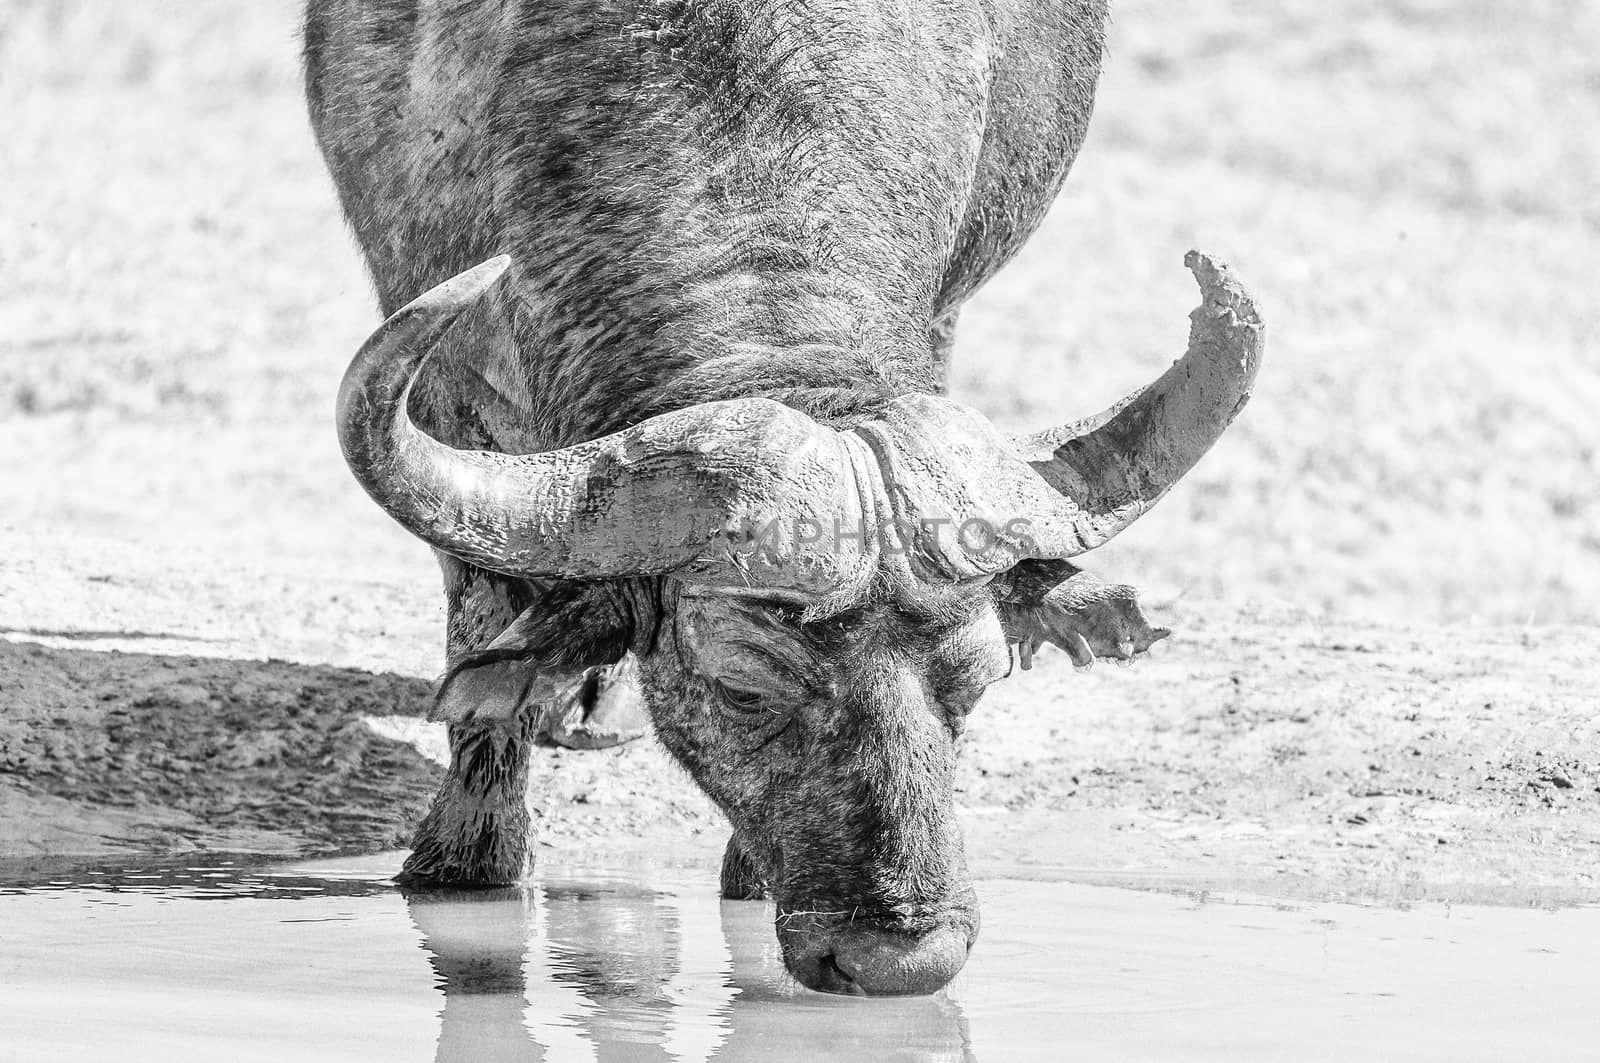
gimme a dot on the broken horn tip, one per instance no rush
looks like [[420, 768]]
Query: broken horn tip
[[1221, 288], [1209, 270]]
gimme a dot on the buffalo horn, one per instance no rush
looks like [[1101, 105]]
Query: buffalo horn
[[681, 492], [1114, 466]]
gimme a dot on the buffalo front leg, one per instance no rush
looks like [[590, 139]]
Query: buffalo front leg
[[525, 661], [477, 831]]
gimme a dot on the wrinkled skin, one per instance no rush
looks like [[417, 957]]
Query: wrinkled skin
[[706, 201]]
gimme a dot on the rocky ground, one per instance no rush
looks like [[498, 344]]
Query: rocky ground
[[1384, 579]]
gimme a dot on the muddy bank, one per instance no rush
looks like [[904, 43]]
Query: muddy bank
[[136, 753], [1303, 759]]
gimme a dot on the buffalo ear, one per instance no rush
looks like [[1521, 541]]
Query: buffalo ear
[[541, 655], [1056, 601]]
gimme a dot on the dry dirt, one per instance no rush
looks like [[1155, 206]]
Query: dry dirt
[[1384, 580]]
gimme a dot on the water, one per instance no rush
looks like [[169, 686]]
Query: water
[[216, 961]]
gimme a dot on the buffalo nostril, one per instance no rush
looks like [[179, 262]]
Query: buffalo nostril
[[823, 974]]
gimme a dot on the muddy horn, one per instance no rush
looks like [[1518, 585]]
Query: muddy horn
[[669, 494], [1061, 492], [1116, 465]]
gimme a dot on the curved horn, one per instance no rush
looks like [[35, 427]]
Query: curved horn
[[683, 491], [1116, 465], [1069, 489]]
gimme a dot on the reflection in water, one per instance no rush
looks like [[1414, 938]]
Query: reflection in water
[[221, 958], [569, 970], [477, 943], [602, 973]]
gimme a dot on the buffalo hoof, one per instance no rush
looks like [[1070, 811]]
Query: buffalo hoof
[[603, 709], [428, 873]]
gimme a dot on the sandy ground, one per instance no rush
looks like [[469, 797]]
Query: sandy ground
[[1385, 578]]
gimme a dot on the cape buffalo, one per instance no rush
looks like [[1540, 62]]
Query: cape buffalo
[[688, 408]]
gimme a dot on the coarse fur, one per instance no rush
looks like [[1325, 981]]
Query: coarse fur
[[709, 200]]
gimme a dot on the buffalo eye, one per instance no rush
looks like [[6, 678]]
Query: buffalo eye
[[762, 721], [744, 702]]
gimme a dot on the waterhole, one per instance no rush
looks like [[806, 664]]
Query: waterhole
[[218, 959]]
